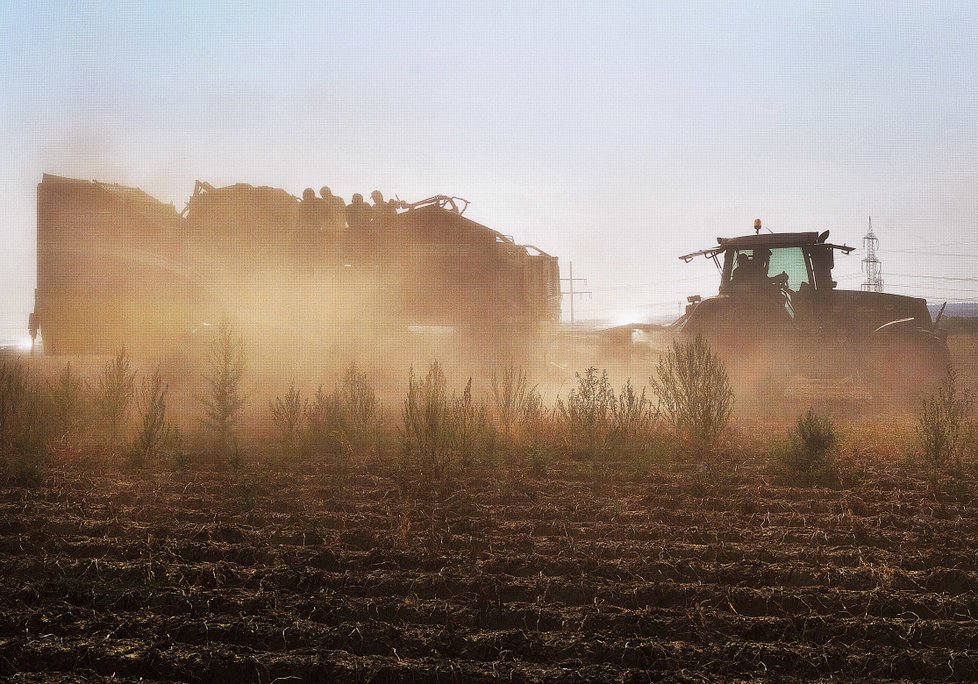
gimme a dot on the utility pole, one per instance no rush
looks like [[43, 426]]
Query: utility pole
[[572, 292]]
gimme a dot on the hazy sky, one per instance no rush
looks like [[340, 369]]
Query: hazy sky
[[613, 135]]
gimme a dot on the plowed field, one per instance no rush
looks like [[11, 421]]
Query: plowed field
[[196, 577]]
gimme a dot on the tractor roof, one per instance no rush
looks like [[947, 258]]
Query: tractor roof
[[768, 241]]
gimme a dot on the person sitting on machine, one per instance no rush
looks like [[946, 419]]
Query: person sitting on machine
[[751, 273]]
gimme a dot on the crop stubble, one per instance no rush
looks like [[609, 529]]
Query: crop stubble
[[191, 577]]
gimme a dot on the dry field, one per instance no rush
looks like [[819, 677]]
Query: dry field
[[643, 559], [689, 575]]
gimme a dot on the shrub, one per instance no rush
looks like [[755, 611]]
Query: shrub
[[115, 391], [808, 450], [154, 430], [25, 423], [472, 434], [360, 409], [587, 417], [694, 390], [288, 415], [176, 447], [634, 417], [325, 431], [513, 399], [224, 399], [14, 388], [942, 426], [426, 427], [346, 421], [520, 424], [68, 403]]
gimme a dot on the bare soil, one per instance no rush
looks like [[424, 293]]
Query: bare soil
[[208, 576]]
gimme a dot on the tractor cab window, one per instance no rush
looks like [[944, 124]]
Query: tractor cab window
[[751, 268], [790, 260]]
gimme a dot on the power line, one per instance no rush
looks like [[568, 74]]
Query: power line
[[930, 277], [936, 254], [916, 288]]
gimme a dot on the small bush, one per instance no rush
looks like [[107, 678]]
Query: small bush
[[70, 408], [25, 424], [176, 447], [808, 451], [472, 438], [426, 433], [587, 417], [694, 390], [346, 421], [325, 431], [513, 399], [154, 430], [360, 409], [522, 427], [224, 399], [289, 415], [14, 389], [634, 419], [115, 392], [942, 426]]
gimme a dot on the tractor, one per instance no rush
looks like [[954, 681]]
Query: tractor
[[779, 315]]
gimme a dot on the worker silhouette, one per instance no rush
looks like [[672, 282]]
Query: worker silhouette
[[358, 213], [309, 240], [751, 273], [382, 212], [334, 211]]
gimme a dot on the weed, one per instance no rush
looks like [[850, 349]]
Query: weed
[[472, 437], [324, 419], [224, 399], [942, 426], [807, 453], [13, 396], [115, 391], [154, 431], [246, 489], [25, 424], [634, 418], [360, 409], [426, 432], [694, 390], [513, 399], [175, 446], [520, 424], [289, 415], [69, 403], [587, 417], [345, 422], [537, 460]]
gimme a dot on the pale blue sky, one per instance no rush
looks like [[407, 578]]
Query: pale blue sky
[[615, 135]]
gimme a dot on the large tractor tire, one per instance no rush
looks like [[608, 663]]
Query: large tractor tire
[[907, 366]]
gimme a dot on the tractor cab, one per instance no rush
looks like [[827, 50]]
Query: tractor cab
[[775, 275], [796, 261]]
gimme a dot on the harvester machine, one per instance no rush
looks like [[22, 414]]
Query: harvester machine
[[116, 266]]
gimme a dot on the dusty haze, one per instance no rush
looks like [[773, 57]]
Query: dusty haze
[[617, 137]]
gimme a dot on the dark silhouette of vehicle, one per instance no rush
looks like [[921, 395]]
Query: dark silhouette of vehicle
[[116, 266], [779, 312]]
